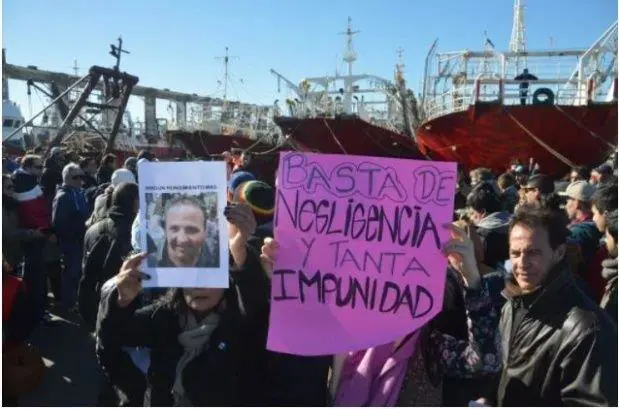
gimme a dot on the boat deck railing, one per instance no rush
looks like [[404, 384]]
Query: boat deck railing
[[563, 77]]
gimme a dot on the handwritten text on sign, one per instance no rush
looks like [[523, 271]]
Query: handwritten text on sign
[[359, 263]]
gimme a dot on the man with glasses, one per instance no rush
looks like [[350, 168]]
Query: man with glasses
[[538, 187], [34, 214], [69, 214]]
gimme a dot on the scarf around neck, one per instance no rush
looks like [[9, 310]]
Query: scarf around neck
[[194, 339]]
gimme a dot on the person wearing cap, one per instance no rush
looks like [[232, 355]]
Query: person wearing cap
[[583, 230], [236, 179], [522, 176], [537, 188], [602, 175]]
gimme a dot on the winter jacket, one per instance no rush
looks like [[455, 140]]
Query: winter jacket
[[510, 198], [587, 237], [494, 231], [69, 214], [106, 243], [33, 209], [212, 378], [50, 179], [560, 351], [12, 235], [609, 299], [104, 175]]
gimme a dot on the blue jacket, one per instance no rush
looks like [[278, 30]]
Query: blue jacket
[[587, 236], [69, 214]]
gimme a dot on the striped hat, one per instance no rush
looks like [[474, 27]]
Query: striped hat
[[259, 196]]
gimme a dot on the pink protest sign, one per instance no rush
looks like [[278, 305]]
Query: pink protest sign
[[359, 263]]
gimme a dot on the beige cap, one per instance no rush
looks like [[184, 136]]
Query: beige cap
[[579, 190]]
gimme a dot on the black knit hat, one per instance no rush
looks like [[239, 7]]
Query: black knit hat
[[259, 196]]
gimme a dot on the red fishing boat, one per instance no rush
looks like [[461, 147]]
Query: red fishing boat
[[357, 114], [478, 108], [488, 108]]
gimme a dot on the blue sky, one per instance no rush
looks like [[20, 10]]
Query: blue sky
[[173, 44]]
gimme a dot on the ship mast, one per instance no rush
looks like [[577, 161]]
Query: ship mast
[[350, 56], [517, 43], [226, 59], [5, 79]]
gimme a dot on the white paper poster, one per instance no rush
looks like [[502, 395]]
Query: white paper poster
[[182, 224]]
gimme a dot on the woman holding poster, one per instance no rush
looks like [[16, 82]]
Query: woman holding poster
[[410, 370], [196, 335]]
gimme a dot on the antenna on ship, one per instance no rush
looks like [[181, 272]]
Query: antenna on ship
[[350, 55], [226, 59], [75, 67], [517, 43]]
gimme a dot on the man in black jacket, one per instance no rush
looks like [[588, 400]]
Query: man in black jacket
[[559, 348], [106, 244], [52, 174]]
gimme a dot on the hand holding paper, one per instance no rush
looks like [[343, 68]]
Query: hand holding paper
[[268, 255]]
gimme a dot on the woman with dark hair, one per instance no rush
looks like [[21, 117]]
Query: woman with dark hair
[[196, 335], [491, 222]]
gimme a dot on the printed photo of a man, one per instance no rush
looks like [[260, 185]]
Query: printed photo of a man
[[187, 240]]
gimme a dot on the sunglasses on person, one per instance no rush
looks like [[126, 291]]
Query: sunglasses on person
[[77, 177], [39, 167], [529, 189]]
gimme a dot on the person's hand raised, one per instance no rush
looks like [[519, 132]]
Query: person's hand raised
[[268, 255], [129, 279], [460, 252], [242, 224], [242, 220]]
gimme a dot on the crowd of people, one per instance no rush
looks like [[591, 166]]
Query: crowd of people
[[529, 314]]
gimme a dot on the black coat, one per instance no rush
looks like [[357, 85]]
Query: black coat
[[212, 378], [562, 353], [50, 179], [106, 243]]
